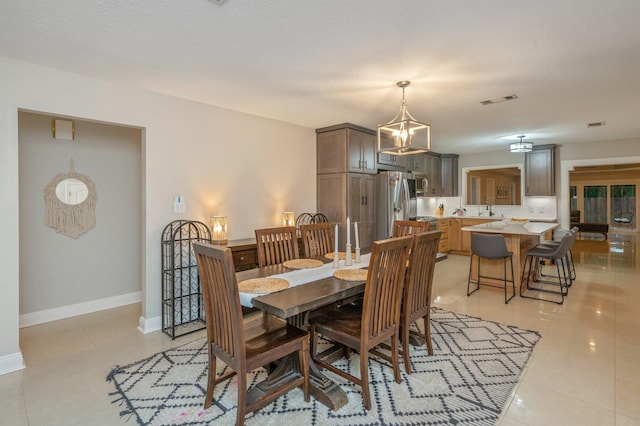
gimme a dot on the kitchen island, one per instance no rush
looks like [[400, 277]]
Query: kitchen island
[[519, 238]]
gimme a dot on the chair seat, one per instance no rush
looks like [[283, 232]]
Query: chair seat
[[344, 322], [551, 251], [265, 333]]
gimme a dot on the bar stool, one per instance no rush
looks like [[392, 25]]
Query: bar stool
[[492, 247], [532, 269], [558, 234]]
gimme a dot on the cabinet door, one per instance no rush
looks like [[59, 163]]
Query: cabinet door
[[416, 163], [455, 235], [331, 195], [368, 206], [354, 197], [331, 152], [539, 170], [369, 149], [355, 141], [433, 173], [449, 175]]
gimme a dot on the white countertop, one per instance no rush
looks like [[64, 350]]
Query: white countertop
[[504, 227]]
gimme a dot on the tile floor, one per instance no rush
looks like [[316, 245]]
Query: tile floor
[[584, 371]]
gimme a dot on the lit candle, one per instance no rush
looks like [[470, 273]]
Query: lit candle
[[335, 244], [348, 231], [355, 230]]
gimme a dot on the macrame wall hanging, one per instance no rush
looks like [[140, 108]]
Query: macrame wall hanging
[[70, 203]]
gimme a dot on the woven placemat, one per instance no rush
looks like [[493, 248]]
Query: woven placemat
[[341, 255], [351, 274], [302, 263], [263, 285]]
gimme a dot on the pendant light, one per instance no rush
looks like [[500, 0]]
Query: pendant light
[[404, 134], [521, 146]]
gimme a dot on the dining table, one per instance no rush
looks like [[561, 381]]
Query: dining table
[[519, 237], [309, 290]]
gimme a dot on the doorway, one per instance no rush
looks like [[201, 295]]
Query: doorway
[[61, 276], [606, 194]]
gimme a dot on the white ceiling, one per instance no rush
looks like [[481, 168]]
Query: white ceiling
[[322, 62]]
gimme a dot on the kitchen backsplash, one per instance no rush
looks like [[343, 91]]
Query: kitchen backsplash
[[533, 208]]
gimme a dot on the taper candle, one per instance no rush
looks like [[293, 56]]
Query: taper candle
[[335, 239], [348, 230], [355, 230]]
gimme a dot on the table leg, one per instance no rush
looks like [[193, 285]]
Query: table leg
[[323, 389]]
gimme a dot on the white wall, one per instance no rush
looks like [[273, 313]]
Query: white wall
[[221, 161]]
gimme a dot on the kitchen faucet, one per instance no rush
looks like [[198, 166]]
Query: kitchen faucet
[[489, 207]]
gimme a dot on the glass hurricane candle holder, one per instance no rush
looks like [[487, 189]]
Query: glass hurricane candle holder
[[288, 219], [219, 230]]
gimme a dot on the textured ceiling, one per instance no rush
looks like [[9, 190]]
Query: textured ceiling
[[317, 63]]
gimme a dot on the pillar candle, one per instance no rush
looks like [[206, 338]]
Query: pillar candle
[[335, 244], [348, 231], [355, 231]]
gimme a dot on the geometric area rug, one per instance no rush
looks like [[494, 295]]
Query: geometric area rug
[[467, 381]]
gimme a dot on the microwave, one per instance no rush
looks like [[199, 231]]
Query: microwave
[[422, 185]]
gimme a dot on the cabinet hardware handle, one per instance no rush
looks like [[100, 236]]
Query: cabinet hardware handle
[[241, 257]]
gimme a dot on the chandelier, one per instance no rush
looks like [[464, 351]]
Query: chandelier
[[404, 134], [521, 146]]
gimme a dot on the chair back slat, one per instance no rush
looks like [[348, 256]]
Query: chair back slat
[[276, 245], [317, 238], [223, 312], [383, 290], [422, 261], [402, 228]]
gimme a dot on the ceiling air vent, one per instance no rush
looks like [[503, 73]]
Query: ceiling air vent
[[498, 100], [597, 124]]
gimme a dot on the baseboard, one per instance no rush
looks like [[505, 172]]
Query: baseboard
[[149, 325], [41, 317], [11, 363]]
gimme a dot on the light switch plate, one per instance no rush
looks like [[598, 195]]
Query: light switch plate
[[178, 204]]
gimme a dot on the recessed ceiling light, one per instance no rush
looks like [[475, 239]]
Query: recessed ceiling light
[[597, 124], [218, 2], [497, 100]]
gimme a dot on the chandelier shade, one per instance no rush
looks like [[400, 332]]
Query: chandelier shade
[[404, 134], [521, 146]]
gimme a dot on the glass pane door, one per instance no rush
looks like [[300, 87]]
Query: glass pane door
[[595, 204], [623, 206]]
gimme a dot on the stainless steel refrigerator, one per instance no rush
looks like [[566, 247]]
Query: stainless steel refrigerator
[[395, 200]]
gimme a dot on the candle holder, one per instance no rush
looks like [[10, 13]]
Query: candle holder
[[288, 219], [219, 230], [347, 258], [336, 260], [357, 259]]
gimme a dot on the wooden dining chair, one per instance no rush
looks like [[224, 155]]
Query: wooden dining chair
[[416, 295], [416, 298], [243, 346], [403, 228], [317, 238], [363, 327], [276, 245]]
